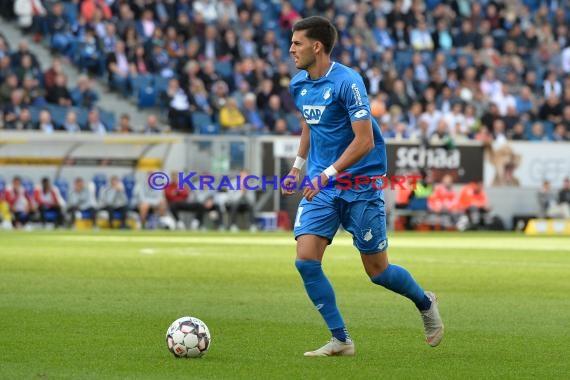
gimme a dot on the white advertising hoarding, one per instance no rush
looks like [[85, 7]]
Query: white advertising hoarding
[[527, 164]]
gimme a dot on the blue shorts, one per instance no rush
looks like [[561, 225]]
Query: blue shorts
[[360, 214]]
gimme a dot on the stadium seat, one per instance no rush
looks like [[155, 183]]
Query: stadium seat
[[237, 155], [58, 114], [35, 113], [403, 59], [203, 124], [225, 69], [100, 181], [108, 119], [82, 114], [418, 204], [63, 186], [143, 87], [28, 185], [160, 84], [2, 184], [293, 124], [129, 182]]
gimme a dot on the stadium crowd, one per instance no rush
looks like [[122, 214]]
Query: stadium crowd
[[113, 202], [435, 69]]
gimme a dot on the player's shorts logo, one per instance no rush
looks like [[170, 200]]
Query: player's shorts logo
[[313, 114], [368, 235]]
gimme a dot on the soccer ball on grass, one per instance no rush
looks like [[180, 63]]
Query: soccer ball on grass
[[188, 337]]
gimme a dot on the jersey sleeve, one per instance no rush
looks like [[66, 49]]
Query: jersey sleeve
[[354, 97]]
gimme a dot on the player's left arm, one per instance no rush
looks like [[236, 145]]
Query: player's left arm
[[360, 146]]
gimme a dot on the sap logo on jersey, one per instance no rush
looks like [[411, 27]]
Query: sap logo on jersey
[[312, 114]]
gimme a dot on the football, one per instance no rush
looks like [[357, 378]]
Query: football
[[188, 337]]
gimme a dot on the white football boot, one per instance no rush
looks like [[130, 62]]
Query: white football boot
[[334, 348], [433, 325]]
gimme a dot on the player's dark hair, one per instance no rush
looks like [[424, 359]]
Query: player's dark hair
[[320, 29]]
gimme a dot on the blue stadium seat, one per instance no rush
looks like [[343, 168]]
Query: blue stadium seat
[[418, 204], [63, 186], [237, 155], [35, 113], [58, 114], [293, 124], [129, 184], [160, 84], [225, 69], [28, 185], [100, 181], [145, 91], [82, 113], [203, 124], [403, 59], [108, 119]]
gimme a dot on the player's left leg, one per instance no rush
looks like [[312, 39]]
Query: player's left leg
[[366, 222], [399, 280]]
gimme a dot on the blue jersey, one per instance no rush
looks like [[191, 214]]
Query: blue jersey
[[329, 105]]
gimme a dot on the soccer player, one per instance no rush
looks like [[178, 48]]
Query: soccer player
[[341, 141]]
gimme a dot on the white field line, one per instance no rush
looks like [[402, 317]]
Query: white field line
[[445, 243]]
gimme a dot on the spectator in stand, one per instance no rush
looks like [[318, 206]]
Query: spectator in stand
[[24, 121], [564, 198], [547, 200], [560, 133], [83, 95], [178, 107], [473, 203], [91, 59], [231, 118], [49, 201], [252, 115], [113, 199], [119, 70], [29, 13], [241, 200], [21, 203], [58, 93], [149, 201], [45, 124], [71, 125], [443, 201], [181, 199], [94, 123], [152, 127], [59, 28], [124, 124], [199, 98]]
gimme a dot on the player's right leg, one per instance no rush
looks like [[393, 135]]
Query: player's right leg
[[310, 250], [315, 226]]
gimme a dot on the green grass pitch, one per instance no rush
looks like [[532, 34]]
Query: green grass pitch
[[97, 306]]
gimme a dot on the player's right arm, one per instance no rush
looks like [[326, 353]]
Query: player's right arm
[[290, 183]]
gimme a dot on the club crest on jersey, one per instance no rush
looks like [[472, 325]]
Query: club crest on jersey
[[327, 93], [313, 114]]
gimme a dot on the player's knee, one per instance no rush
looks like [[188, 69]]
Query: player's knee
[[308, 268]]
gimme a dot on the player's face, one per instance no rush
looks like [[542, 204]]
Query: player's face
[[302, 50]]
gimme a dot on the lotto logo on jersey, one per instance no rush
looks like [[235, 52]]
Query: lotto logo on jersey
[[313, 114]]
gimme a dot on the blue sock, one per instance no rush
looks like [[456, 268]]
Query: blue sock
[[321, 293], [399, 280]]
